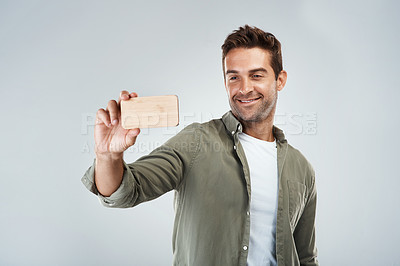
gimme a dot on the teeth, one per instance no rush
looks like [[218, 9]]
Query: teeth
[[246, 101]]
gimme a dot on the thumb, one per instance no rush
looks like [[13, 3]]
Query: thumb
[[131, 136]]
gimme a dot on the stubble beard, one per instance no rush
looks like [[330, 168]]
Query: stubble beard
[[263, 112]]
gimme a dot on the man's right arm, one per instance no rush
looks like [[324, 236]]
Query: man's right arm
[[123, 185], [152, 175], [111, 140], [108, 174]]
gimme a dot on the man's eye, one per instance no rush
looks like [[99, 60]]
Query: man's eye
[[256, 76], [233, 78]]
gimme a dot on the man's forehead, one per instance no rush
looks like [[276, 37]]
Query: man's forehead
[[245, 59], [242, 51]]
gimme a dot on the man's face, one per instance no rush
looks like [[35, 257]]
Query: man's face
[[251, 85]]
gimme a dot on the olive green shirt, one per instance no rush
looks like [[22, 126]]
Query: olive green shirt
[[206, 166]]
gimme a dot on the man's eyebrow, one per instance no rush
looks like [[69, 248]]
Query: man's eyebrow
[[260, 69], [231, 71]]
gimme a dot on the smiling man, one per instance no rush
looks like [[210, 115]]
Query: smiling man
[[243, 195], [252, 88]]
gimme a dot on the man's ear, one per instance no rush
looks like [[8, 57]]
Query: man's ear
[[281, 81]]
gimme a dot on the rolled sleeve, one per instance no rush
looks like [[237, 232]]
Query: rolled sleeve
[[116, 198], [154, 174]]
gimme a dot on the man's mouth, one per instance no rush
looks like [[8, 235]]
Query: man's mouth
[[248, 100]]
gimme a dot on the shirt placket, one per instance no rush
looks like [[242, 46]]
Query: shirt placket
[[238, 149]]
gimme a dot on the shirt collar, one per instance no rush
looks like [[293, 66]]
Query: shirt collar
[[234, 126]]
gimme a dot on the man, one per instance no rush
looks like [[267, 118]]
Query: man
[[243, 195]]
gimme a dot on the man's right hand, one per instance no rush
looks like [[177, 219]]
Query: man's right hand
[[111, 139]]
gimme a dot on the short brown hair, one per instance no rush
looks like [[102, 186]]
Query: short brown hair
[[251, 37]]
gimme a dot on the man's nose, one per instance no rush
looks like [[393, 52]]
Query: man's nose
[[245, 86]]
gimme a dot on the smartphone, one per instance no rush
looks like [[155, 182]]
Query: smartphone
[[150, 112]]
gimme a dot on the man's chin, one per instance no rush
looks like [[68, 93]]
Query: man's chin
[[247, 118]]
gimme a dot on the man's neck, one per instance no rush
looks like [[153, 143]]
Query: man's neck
[[263, 132], [260, 130]]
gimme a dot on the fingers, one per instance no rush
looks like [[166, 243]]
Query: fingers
[[102, 116], [113, 110], [125, 95], [134, 132], [111, 114], [131, 136]]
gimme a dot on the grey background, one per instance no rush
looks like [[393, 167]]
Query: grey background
[[62, 60]]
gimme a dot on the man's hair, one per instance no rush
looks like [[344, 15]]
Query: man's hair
[[251, 37]]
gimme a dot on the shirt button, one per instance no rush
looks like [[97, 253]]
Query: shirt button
[[244, 247], [109, 203], [233, 132], [248, 213], [234, 147]]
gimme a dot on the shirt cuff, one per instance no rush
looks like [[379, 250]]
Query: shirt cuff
[[115, 198]]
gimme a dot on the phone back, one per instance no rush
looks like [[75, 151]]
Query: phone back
[[151, 111]]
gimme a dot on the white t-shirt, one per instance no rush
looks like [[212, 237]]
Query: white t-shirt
[[262, 160]]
